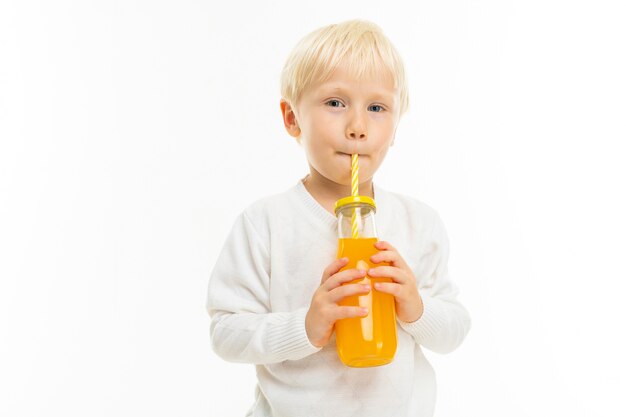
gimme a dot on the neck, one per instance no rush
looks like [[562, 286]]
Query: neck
[[327, 192]]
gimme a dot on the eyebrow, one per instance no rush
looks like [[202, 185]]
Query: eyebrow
[[379, 94]]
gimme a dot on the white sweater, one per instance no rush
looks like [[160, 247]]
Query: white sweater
[[261, 288]]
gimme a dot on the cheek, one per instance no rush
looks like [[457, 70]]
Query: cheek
[[378, 158], [315, 152]]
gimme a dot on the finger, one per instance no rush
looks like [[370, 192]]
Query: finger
[[393, 272], [383, 245], [344, 291], [343, 277], [391, 256], [333, 268], [389, 288], [344, 312]]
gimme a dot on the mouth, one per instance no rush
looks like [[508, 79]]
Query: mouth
[[350, 155]]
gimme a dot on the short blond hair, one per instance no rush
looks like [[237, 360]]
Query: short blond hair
[[362, 44]]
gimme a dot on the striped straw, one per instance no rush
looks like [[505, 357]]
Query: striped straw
[[355, 174], [355, 192]]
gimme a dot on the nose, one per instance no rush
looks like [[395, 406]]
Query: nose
[[357, 126]]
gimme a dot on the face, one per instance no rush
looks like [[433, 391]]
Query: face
[[342, 116]]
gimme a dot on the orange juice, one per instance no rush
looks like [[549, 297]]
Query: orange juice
[[371, 340]]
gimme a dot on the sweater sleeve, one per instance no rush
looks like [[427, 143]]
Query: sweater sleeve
[[243, 327], [444, 322]]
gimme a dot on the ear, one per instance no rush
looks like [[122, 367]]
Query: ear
[[289, 118]]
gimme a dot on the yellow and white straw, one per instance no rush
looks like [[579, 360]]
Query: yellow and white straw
[[355, 174], [356, 213]]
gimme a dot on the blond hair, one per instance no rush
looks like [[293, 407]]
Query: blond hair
[[362, 45]]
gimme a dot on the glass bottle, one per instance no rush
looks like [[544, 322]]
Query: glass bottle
[[371, 340]]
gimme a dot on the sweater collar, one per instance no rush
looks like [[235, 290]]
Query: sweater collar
[[324, 216]]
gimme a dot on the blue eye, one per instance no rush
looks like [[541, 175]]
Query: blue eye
[[334, 103], [376, 105]]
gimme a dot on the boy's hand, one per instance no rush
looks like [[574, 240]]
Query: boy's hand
[[324, 311], [409, 306]]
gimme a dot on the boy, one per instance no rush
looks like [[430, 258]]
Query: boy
[[274, 292]]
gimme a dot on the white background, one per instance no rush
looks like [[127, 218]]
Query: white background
[[133, 132]]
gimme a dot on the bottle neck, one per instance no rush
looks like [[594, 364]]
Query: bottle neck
[[356, 221]]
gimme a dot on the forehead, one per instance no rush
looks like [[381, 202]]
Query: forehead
[[342, 80]]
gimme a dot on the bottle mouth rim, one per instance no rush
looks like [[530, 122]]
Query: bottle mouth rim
[[353, 201]]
